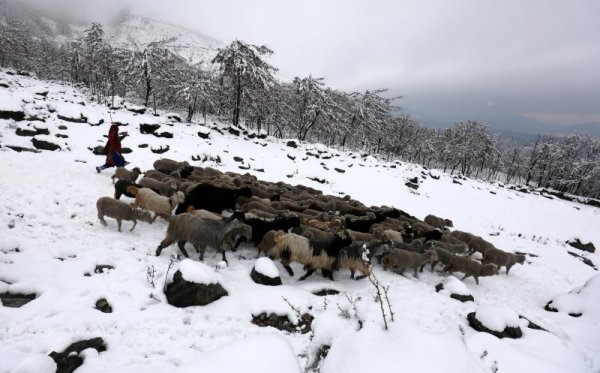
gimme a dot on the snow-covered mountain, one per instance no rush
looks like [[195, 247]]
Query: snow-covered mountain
[[53, 246], [127, 31], [133, 31]]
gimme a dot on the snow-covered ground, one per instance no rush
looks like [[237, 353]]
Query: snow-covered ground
[[51, 241]]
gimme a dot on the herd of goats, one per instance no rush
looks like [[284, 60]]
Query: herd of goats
[[293, 223]]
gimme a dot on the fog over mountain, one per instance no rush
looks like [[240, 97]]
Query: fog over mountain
[[518, 66]]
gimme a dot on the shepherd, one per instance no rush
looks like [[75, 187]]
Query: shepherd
[[114, 157]]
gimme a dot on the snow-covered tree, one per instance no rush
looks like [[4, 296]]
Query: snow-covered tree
[[243, 69]]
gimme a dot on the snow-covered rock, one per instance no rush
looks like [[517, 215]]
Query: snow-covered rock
[[265, 272], [499, 321], [582, 301]]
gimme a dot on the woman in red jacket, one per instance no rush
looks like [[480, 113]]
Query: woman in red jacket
[[112, 150]]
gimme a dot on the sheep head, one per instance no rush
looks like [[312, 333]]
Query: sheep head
[[142, 215]]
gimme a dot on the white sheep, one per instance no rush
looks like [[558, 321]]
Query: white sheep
[[148, 199]]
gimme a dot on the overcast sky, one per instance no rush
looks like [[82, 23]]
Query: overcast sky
[[451, 60]]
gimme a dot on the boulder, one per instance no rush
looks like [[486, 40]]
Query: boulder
[[265, 272], [15, 300], [589, 247], [44, 144], [183, 293], [507, 320], [148, 128], [70, 359], [283, 322], [102, 305]]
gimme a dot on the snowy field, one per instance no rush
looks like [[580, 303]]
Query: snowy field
[[51, 241]]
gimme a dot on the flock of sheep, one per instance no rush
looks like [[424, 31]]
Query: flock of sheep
[[293, 223]]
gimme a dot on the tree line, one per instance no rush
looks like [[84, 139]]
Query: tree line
[[240, 85]]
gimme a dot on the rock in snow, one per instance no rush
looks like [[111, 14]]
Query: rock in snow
[[265, 272]]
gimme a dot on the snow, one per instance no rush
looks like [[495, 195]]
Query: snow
[[452, 285], [10, 102], [70, 110], [584, 299], [259, 353], [497, 318], [265, 266], [35, 363], [48, 212], [198, 273]]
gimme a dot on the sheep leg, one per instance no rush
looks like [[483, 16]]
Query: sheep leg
[[416, 268], [476, 279], [309, 272], [101, 217], [288, 269], [164, 243], [508, 268], [224, 258], [181, 245], [352, 273], [119, 224], [327, 273], [134, 224]]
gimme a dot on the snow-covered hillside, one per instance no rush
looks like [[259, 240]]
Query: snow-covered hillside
[[51, 243]]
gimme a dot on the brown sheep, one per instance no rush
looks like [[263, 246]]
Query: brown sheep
[[460, 248], [437, 222], [463, 236], [470, 267], [259, 206], [400, 259], [444, 257], [502, 258], [478, 244], [333, 223], [120, 211], [121, 173]]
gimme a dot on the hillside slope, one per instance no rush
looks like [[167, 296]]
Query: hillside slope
[[51, 242]]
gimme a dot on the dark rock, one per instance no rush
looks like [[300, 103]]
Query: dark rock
[[532, 325], [412, 185], [96, 124], [182, 293], [174, 117], [575, 314], [259, 278], [234, 130], [143, 146], [63, 127], [414, 180], [292, 144], [238, 159], [102, 268], [589, 247], [204, 135], [585, 260], [16, 300], [324, 292], [69, 360], [137, 110], [259, 169], [284, 323], [30, 132], [3, 84], [20, 149], [508, 332], [62, 136], [148, 128], [14, 115], [160, 150], [126, 150], [44, 145], [166, 135], [439, 287], [102, 305], [313, 154], [244, 167], [98, 150], [456, 182], [81, 119], [436, 177], [339, 170], [462, 298], [321, 181], [549, 308]]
